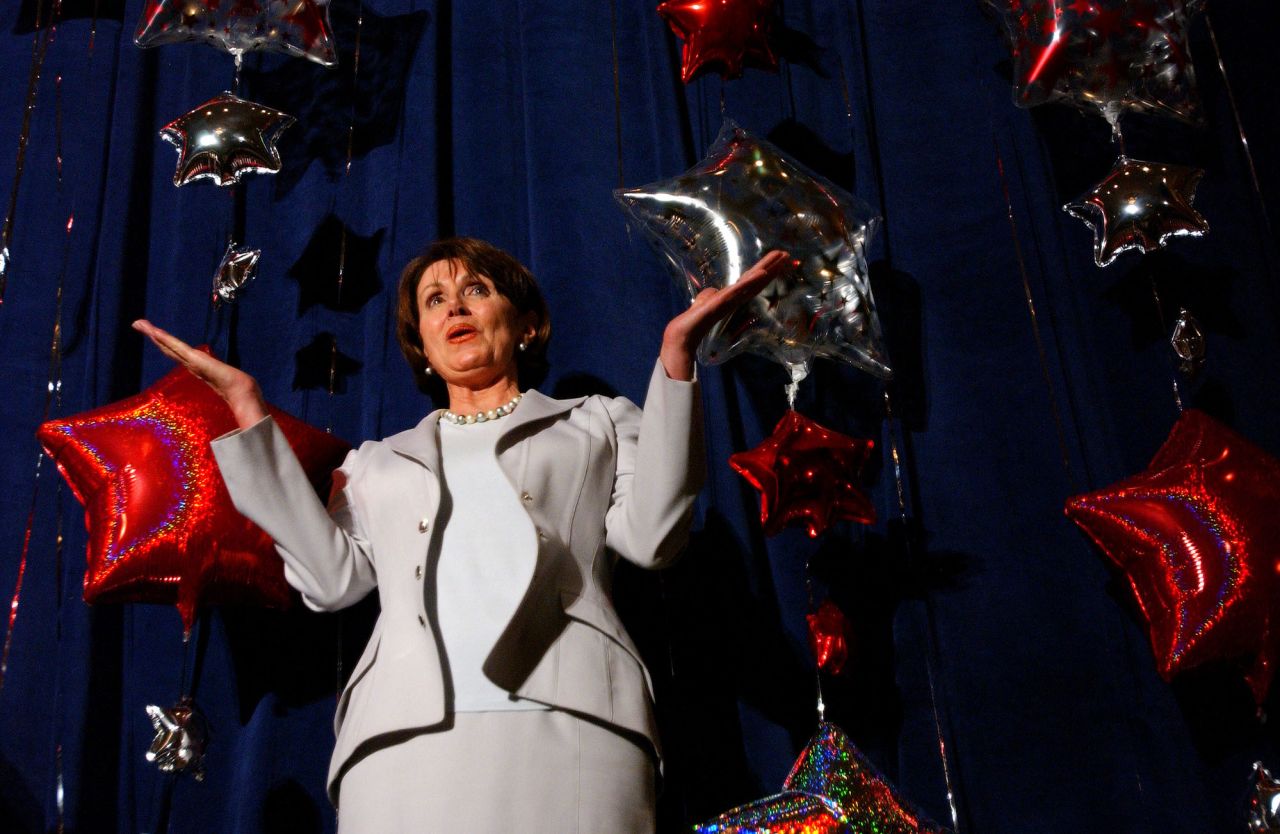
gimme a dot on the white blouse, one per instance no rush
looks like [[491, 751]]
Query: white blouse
[[481, 573]]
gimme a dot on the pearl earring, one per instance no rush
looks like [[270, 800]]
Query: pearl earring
[[428, 371], [524, 345]]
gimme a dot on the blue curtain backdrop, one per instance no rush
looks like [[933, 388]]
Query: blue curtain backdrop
[[504, 119]]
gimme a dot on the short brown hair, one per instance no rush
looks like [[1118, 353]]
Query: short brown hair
[[511, 279]]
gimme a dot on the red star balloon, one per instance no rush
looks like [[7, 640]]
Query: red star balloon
[[294, 27], [806, 474], [728, 34], [1198, 536], [829, 637], [1109, 54], [1140, 205], [161, 524], [832, 789]]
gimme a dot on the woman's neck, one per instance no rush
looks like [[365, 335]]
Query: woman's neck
[[463, 400]]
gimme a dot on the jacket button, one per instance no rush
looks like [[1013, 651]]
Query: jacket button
[[422, 621], [417, 572], [526, 497], [423, 525]]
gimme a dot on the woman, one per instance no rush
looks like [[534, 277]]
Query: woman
[[499, 691]]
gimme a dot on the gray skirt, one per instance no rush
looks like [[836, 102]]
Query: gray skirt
[[532, 771]]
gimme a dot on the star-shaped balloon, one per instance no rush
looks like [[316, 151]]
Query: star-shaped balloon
[[224, 139], [726, 34], [1140, 205], [238, 267], [1109, 54], [161, 524], [1264, 802], [807, 474], [181, 737], [294, 27], [743, 200], [832, 789], [1197, 535], [829, 637]]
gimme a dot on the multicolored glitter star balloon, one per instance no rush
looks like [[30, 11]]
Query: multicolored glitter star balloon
[[224, 139], [1109, 54], [807, 474], [1198, 537], [1140, 205], [829, 637], [182, 734], [745, 199], [726, 34], [832, 789], [161, 524], [294, 27], [237, 268], [1264, 802]]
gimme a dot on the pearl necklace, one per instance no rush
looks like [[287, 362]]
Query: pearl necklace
[[481, 416]]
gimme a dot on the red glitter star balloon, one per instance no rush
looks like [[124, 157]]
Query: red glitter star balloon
[[161, 524], [829, 637], [832, 789], [806, 473], [728, 34], [1198, 536]]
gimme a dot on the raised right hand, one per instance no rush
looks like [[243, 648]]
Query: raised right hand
[[240, 390]]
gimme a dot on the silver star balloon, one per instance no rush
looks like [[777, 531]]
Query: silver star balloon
[[744, 199], [224, 139], [182, 734], [237, 268], [294, 27], [1264, 802], [1140, 205]]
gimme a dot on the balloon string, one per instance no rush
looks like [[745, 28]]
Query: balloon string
[[1042, 355], [39, 48], [933, 656], [1173, 376], [1235, 113], [817, 667], [332, 383], [617, 89], [52, 396]]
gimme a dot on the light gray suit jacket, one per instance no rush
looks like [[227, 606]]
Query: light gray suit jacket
[[598, 478]]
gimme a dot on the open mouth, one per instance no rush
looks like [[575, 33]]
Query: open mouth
[[460, 333]]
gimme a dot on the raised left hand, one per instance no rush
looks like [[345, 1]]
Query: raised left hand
[[685, 331]]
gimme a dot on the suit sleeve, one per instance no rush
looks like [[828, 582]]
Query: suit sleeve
[[661, 468], [326, 553]]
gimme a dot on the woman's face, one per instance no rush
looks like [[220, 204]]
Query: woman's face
[[469, 330]]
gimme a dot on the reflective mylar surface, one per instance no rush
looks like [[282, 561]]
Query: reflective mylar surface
[[161, 524], [726, 35], [1109, 54], [807, 474], [1140, 205], [224, 139], [1198, 537], [294, 27], [181, 736], [832, 789], [743, 200], [238, 267], [829, 637], [1264, 802]]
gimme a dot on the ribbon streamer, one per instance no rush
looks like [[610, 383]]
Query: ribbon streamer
[[39, 48]]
